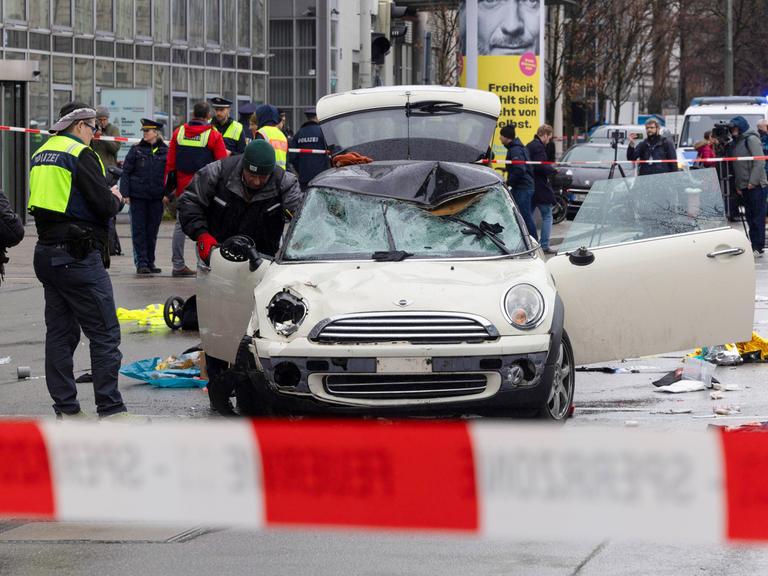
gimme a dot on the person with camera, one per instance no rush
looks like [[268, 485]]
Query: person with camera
[[750, 180], [11, 231], [654, 147], [72, 205], [519, 176]]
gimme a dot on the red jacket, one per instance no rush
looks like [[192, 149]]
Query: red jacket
[[214, 150]]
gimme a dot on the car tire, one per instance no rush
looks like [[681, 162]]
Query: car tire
[[559, 209], [249, 392], [220, 387], [558, 405]]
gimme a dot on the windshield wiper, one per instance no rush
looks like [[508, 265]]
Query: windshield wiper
[[393, 254], [432, 107], [490, 231]]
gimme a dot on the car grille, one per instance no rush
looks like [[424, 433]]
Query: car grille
[[413, 327], [402, 386]]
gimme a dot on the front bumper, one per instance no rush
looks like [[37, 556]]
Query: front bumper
[[302, 376]]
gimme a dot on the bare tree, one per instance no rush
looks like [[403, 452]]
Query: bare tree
[[444, 23]]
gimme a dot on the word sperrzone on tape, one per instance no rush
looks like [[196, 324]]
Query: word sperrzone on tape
[[479, 479]]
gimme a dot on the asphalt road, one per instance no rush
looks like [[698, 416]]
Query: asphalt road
[[605, 400]]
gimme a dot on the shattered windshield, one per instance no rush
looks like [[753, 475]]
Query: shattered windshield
[[638, 208], [338, 225], [428, 134]]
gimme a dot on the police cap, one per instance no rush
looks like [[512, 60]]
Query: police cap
[[220, 102], [147, 124]]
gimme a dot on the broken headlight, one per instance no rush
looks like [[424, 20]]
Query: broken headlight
[[523, 306], [286, 311]]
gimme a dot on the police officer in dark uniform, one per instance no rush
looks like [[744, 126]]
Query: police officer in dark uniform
[[142, 184], [310, 135], [231, 130], [72, 205]]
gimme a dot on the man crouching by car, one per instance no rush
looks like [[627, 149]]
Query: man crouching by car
[[240, 195]]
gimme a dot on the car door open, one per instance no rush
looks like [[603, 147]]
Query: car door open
[[666, 272]]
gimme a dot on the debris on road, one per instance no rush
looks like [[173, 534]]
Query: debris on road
[[726, 410], [722, 355], [152, 315], [673, 411], [682, 386], [631, 423], [627, 370], [717, 395], [173, 372], [5, 360], [756, 350]]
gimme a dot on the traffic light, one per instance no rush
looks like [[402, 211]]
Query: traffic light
[[379, 47]]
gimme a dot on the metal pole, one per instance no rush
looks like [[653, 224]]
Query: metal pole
[[729, 48], [471, 56]]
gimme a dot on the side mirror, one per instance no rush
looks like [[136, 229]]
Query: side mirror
[[581, 257]]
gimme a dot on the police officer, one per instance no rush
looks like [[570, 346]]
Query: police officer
[[142, 186], [192, 146], [309, 136], [268, 120], [72, 205], [231, 130]]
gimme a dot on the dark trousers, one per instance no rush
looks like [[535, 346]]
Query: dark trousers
[[78, 294], [146, 216], [755, 207], [524, 201]]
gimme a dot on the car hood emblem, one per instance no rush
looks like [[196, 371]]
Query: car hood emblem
[[403, 303]]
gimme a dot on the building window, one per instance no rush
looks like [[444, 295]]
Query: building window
[[62, 13], [39, 14], [180, 20], [162, 21], [124, 19], [243, 83], [213, 81], [104, 16], [281, 63], [228, 25], [229, 87], [212, 21], [305, 62], [305, 33], [281, 33], [62, 70], [143, 18], [196, 24], [259, 27], [105, 73], [244, 23], [39, 92], [197, 83], [84, 79], [162, 81], [124, 75], [259, 88], [180, 83], [280, 9], [143, 74], [15, 10], [84, 16]]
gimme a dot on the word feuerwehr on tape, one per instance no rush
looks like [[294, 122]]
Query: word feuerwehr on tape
[[480, 479]]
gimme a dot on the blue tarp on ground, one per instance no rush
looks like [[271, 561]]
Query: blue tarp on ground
[[145, 371]]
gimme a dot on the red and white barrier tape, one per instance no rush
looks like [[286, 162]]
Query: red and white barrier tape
[[133, 140], [480, 479]]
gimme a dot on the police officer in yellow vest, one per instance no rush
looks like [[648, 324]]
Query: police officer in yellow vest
[[72, 205], [269, 117], [231, 130]]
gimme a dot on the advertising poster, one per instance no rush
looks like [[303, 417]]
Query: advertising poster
[[510, 53], [127, 106]]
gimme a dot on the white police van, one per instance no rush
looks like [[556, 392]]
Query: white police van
[[705, 112]]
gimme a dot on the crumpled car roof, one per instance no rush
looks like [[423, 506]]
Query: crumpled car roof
[[422, 182]]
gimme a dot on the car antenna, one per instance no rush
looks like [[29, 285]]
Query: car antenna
[[408, 125]]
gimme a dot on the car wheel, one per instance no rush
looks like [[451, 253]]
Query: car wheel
[[560, 209], [249, 392], [558, 404]]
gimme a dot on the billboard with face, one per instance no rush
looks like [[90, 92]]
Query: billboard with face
[[505, 57]]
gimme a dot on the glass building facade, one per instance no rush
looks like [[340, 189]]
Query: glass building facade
[[184, 50]]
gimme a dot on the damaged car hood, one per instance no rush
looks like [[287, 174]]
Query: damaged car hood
[[333, 289]]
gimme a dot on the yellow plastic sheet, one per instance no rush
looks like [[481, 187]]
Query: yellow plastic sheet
[[758, 343], [152, 315]]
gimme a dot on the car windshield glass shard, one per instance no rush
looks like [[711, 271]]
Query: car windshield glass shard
[[639, 208], [483, 229], [335, 225]]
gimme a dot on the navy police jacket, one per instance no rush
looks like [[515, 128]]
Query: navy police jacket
[[307, 166], [144, 171]]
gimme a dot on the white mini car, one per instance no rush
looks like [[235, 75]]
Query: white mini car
[[406, 286]]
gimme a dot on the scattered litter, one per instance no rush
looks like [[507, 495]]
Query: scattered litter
[[721, 355], [172, 372], [673, 411], [5, 360], [726, 410], [152, 315], [608, 409], [725, 387], [627, 370], [631, 423], [83, 378], [23, 372], [698, 370], [717, 395], [682, 386], [756, 350]]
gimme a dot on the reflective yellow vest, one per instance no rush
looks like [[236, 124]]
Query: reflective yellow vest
[[233, 131], [50, 178], [279, 142], [192, 152], [199, 141]]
